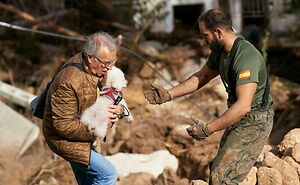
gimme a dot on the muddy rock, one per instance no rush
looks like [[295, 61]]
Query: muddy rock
[[169, 177], [281, 96], [288, 173], [265, 149], [153, 163], [50, 181], [296, 152], [178, 139], [251, 177], [136, 142], [136, 179], [150, 49], [193, 163], [198, 182], [268, 176], [134, 94], [293, 163], [146, 71], [289, 140]]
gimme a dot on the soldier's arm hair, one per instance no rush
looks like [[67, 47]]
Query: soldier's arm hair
[[193, 83]]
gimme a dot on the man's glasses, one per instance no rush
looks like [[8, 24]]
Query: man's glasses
[[105, 64]]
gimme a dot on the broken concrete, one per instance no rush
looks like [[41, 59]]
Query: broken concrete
[[17, 132]]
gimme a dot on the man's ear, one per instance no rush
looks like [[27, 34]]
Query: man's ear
[[219, 33], [88, 59]]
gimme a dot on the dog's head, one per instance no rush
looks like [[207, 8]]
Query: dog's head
[[116, 78]]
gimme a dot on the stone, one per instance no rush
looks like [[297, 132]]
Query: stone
[[149, 48], [296, 152], [17, 132], [288, 173], [289, 140], [265, 149], [169, 177], [153, 163], [146, 71], [136, 179], [293, 163], [198, 182], [251, 177], [268, 176]]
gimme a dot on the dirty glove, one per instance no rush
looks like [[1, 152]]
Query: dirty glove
[[199, 130], [157, 95]]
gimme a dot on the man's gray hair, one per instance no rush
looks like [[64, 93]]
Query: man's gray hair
[[97, 41]]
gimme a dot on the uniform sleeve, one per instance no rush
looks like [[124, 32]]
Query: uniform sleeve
[[213, 61], [65, 115], [246, 67]]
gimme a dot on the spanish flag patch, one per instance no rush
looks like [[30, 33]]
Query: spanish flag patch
[[244, 74]]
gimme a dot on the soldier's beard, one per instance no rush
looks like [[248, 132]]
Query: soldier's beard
[[216, 45]]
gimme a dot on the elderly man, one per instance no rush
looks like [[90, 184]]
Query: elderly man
[[249, 119], [71, 92]]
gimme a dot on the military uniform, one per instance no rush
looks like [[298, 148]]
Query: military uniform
[[242, 143]]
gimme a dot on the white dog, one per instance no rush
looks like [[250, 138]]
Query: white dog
[[96, 116]]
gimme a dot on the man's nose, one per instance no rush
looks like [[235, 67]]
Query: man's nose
[[204, 40], [109, 67]]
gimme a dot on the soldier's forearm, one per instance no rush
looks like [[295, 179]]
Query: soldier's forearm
[[234, 114], [187, 87]]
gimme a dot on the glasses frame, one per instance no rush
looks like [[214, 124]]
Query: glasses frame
[[105, 64]]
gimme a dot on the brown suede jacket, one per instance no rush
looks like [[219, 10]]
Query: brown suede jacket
[[70, 93]]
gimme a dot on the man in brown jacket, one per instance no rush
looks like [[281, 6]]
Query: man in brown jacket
[[71, 92]]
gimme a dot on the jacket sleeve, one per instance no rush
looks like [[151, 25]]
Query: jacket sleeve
[[66, 122]]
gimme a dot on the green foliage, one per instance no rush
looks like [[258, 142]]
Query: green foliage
[[294, 6], [148, 11]]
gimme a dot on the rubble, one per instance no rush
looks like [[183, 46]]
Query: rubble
[[153, 163], [268, 176], [17, 132]]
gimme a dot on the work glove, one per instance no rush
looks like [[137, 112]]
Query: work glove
[[199, 130], [157, 95]]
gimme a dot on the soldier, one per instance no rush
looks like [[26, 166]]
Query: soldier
[[249, 118]]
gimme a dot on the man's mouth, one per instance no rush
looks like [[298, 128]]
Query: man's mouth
[[102, 73]]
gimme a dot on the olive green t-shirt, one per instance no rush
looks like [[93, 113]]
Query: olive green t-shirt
[[248, 67]]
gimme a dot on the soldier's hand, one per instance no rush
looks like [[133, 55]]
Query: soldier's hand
[[157, 95], [199, 130]]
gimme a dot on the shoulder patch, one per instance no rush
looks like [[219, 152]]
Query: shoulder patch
[[244, 74]]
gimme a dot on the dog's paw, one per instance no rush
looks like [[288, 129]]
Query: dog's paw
[[129, 119]]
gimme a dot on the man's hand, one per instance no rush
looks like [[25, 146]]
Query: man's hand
[[116, 109], [199, 130], [157, 95], [114, 112]]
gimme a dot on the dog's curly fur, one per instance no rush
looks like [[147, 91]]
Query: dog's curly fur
[[96, 116]]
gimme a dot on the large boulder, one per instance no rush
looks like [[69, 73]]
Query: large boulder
[[268, 176], [293, 163], [251, 177], [198, 158], [169, 177], [154, 163], [288, 173], [136, 179], [289, 140], [296, 152]]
